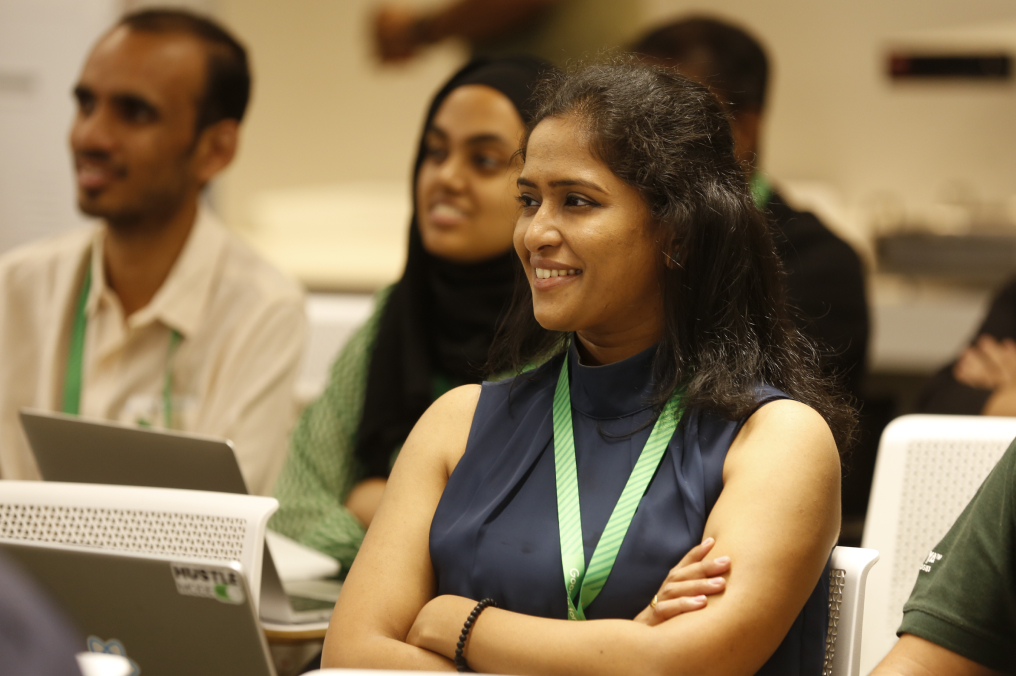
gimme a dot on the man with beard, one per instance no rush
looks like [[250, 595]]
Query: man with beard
[[157, 315]]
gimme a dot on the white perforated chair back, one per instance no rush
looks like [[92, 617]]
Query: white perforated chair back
[[848, 575], [161, 521], [928, 469]]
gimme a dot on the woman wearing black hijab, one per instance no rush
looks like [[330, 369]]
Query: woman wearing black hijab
[[431, 331]]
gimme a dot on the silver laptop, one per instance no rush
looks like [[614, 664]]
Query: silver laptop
[[68, 448], [72, 449], [165, 616]]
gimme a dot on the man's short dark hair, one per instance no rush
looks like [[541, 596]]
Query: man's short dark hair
[[227, 80], [725, 58]]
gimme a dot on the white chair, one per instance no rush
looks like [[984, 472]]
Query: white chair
[[161, 521], [928, 469], [848, 575], [331, 320]]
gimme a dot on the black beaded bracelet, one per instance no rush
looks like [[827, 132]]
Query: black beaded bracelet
[[460, 661]]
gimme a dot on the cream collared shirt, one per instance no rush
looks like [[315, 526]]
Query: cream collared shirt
[[242, 325]]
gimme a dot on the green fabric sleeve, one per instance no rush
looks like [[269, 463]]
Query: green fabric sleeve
[[965, 596], [321, 468]]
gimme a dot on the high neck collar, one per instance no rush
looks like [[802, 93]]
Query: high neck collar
[[613, 390]]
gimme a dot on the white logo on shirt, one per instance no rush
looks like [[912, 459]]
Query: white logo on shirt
[[932, 558]]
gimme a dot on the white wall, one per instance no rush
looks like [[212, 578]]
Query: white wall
[[836, 117], [42, 46], [323, 111]]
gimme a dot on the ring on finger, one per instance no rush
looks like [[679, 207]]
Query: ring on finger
[[652, 603]]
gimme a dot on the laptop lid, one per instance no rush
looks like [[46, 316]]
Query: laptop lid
[[77, 450], [166, 616]]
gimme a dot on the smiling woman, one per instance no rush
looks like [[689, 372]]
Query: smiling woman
[[430, 331], [462, 191], [579, 219], [661, 495]]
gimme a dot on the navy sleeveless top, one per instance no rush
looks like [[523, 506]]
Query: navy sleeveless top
[[495, 531]]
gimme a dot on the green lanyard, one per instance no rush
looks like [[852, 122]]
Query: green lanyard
[[761, 189], [582, 586], [76, 358]]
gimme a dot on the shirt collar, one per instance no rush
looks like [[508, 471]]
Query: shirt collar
[[612, 391], [181, 300]]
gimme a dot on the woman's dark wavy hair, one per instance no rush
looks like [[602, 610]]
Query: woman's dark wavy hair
[[726, 327]]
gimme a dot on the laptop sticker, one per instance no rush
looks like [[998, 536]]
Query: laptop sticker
[[221, 584], [112, 647]]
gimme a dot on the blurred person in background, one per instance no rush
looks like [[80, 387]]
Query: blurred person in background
[[825, 278], [156, 315], [824, 275], [556, 30], [982, 381], [432, 330]]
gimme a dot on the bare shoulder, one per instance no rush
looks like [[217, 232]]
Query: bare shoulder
[[459, 400], [786, 430], [786, 414], [453, 410], [442, 431]]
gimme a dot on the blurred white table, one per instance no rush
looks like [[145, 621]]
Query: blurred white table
[[918, 327]]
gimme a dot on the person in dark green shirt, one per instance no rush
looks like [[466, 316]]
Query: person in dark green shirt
[[961, 616]]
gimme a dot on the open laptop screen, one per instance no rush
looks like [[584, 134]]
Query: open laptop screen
[[77, 450]]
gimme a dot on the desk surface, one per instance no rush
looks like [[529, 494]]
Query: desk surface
[[294, 633]]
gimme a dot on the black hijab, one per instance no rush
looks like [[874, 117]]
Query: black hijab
[[440, 318]]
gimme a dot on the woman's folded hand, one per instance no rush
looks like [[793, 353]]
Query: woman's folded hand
[[687, 585], [438, 624]]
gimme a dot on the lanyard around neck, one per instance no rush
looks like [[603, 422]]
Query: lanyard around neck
[[761, 189], [73, 379], [582, 586]]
